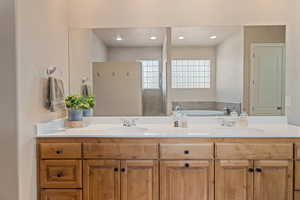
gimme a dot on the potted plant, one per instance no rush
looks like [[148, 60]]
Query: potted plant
[[90, 101], [75, 104]]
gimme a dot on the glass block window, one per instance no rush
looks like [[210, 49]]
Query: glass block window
[[150, 74], [191, 73]]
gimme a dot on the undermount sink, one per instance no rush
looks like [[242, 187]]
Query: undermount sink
[[237, 131], [124, 130]]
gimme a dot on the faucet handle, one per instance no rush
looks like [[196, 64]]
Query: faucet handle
[[133, 121]]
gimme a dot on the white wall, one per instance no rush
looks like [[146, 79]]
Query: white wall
[[42, 41], [84, 49], [8, 117], [133, 53], [195, 52], [229, 70]]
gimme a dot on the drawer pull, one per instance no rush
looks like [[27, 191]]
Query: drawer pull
[[61, 174], [186, 152], [187, 165], [60, 151], [251, 170], [258, 170]]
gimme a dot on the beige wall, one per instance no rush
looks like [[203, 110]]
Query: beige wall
[[118, 89], [133, 53], [42, 41], [293, 65], [8, 117], [229, 72], [257, 34], [156, 13], [195, 94], [84, 49]]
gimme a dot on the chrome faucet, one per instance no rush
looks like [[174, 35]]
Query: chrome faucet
[[128, 122]]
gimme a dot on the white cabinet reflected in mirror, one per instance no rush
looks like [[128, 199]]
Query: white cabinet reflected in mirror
[[201, 71]]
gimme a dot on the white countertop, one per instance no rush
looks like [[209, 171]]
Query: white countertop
[[162, 128]]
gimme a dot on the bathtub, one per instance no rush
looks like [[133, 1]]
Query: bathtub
[[203, 112]]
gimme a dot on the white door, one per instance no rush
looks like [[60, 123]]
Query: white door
[[267, 72]]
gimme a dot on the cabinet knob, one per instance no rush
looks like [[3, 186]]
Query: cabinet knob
[[116, 169], [60, 151], [186, 152], [187, 165], [123, 170], [258, 170], [61, 174], [251, 170]]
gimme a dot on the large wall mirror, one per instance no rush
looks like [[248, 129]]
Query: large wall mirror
[[203, 71]]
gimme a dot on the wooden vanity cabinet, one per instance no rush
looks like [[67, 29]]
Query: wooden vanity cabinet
[[168, 169], [264, 174], [60, 194], [234, 180], [273, 179], [192, 180], [115, 180]]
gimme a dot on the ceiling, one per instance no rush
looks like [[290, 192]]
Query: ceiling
[[140, 37], [132, 37], [200, 36]]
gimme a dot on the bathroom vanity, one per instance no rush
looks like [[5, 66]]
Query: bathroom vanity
[[219, 167]]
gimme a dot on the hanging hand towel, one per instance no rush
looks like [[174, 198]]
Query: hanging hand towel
[[56, 95]]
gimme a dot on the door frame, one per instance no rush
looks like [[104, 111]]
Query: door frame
[[283, 70]]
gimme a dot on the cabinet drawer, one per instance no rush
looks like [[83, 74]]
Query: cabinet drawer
[[120, 150], [61, 173], [186, 151], [60, 150], [254, 151], [61, 194]]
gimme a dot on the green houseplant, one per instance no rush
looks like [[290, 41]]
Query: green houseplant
[[76, 104], [90, 100]]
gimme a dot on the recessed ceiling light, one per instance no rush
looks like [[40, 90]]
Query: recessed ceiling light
[[213, 37], [119, 38], [181, 38], [153, 38]]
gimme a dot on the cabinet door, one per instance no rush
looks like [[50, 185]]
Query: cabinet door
[[101, 180], [273, 180], [234, 180], [188, 180], [61, 194], [139, 180]]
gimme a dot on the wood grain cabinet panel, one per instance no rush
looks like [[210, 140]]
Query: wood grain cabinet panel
[[139, 180], [297, 151], [234, 180], [252, 151], [297, 175], [187, 151], [186, 180], [61, 194], [273, 180], [297, 195], [61, 173], [101, 180], [60, 150], [120, 150]]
